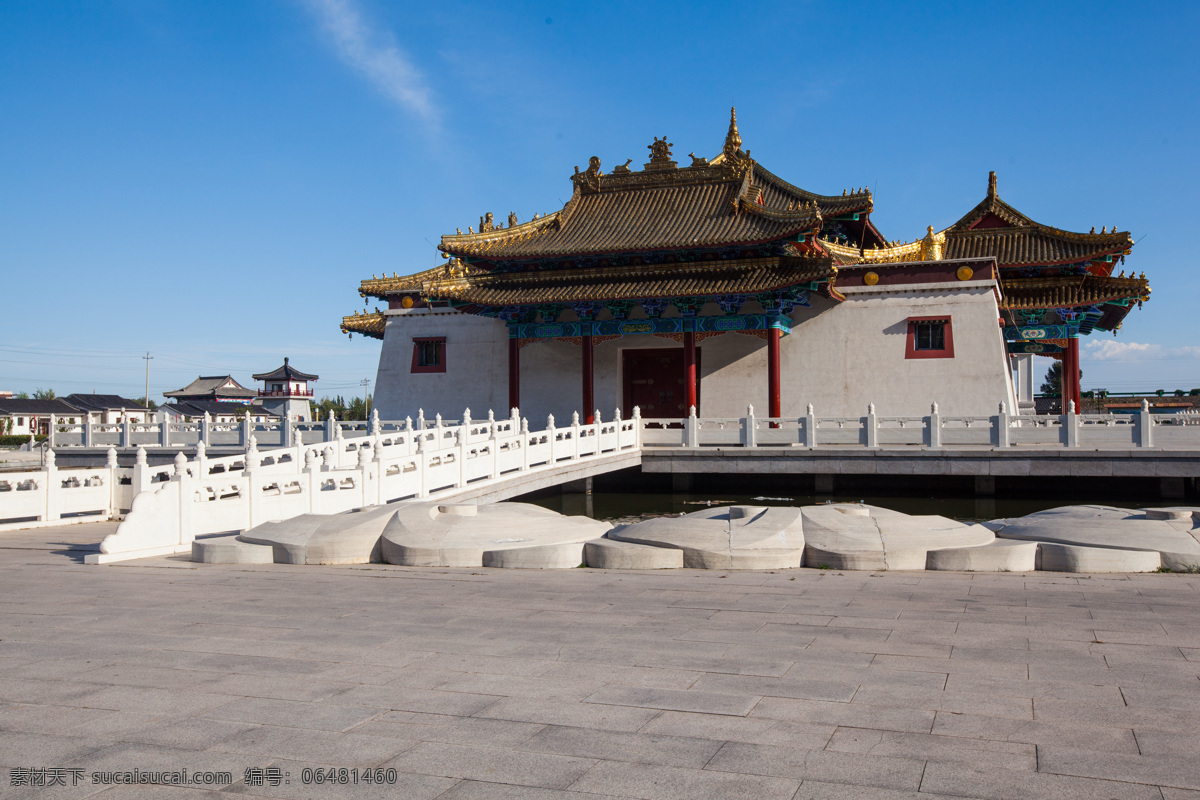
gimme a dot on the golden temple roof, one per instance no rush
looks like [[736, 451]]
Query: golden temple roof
[[727, 200]]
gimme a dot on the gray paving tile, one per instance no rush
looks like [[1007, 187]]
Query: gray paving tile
[[964, 780], [1162, 770], [493, 765], [449, 729], [860, 715], [560, 712], [831, 767], [673, 783], [294, 714], [1008, 755], [737, 705], [480, 790], [642, 748], [313, 746]]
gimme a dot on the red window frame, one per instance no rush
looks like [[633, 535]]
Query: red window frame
[[416, 356], [910, 347]]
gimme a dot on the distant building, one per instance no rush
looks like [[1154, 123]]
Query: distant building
[[285, 392], [32, 417], [222, 388], [107, 409], [194, 410]]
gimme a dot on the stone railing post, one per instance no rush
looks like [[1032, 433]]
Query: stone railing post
[[872, 426], [410, 438], [935, 427], [376, 426], [420, 419], [53, 440], [330, 424], [749, 429], [366, 481], [491, 425], [422, 480], [53, 509], [1002, 426], [141, 472], [87, 431], [437, 432], [524, 444], [460, 456], [691, 429], [1071, 424], [466, 424], [164, 433], [312, 473], [205, 428], [637, 425], [114, 480], [551, 435], [574, 435], [253, 484], [596, 423], [201, 460], [246, 432], [810, 427], [288, 432], [1145, 426], [126, 432]]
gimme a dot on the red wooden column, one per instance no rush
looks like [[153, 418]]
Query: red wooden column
[[776, 404], [689, 371], [1071, 371], [514, 373], [589, 405]]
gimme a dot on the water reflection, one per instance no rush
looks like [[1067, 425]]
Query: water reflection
[[629, 506]]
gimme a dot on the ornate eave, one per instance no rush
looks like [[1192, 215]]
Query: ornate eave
[[692, 279], [1073, 291], [366, 323]]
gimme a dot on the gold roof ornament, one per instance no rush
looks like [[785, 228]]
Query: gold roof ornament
[[931, 246], [991, 184], [660, 155]]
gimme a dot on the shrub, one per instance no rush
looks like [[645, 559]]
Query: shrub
[[17, 440]]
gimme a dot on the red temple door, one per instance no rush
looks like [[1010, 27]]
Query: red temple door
[[653, 380]]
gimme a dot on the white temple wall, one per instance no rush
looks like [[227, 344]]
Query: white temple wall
[[839, 356], [476, 375]]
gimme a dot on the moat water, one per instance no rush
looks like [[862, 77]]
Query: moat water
[[632, 506]]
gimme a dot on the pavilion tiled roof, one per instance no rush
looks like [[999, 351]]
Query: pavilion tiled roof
[[285, 373], [689, 279]]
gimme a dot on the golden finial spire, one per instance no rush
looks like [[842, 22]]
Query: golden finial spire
[[733, 139]]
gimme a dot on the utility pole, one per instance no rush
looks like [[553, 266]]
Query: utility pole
[[147, 357], [365, 383]]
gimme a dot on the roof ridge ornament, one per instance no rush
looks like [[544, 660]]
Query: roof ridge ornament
[[660, 155], [992, 185], [590, 177], [734, 156]]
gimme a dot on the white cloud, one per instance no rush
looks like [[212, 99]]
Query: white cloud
[[376, 56], [1114, 350]]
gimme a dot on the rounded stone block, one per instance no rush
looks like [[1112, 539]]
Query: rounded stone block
[[856, 536], [614, 554], [1075, 558], [349, 538], [547, 556], [230, 550], [999, 556], [727, 537], [1179, 514], [515, 535], [819, 558]]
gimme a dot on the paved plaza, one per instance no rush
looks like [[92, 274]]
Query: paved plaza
[[689, 684]]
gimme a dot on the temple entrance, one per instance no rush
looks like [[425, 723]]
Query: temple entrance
[[653, 380]]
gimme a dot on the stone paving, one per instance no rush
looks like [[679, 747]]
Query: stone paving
[[479, 683]]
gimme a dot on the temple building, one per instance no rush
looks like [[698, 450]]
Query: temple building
[[719, 285]]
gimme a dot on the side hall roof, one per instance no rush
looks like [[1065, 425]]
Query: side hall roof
[[102, 402], [994, 228]]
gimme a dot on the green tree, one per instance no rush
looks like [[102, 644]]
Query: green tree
[[141, 401], [21, 396], [1052, 384], [43, 394]]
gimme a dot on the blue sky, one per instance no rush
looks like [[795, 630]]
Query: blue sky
[[210, 181]]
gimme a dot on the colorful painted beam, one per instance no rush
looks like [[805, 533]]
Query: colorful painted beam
[[634, 327]]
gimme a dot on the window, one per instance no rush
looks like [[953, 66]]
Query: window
[[429, 354], [929, 337]]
